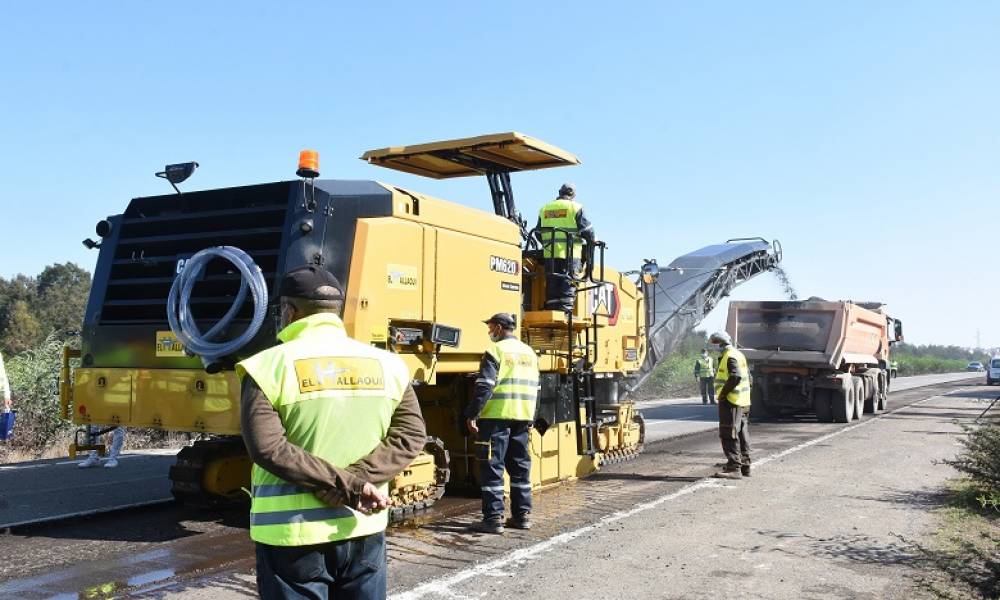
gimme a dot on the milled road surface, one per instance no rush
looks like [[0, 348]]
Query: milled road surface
[[832, 517], [820, 521]]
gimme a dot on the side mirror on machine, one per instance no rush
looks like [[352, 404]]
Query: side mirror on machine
[[898, 330]]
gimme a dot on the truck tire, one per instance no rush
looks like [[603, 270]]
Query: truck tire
[[842, 404], [870, 394], [859, 397], [821, 405], [883, 391]]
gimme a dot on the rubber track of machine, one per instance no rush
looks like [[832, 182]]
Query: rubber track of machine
[[187, 474], [442, 474]]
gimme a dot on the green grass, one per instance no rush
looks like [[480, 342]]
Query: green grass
[[964, 552]]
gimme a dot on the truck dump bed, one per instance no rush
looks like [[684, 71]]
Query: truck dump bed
[[813, 333]]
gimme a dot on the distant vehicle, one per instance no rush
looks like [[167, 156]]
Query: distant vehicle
[[975, 366], [993, 372]]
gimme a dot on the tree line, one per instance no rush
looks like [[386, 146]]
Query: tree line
[[48, 305]]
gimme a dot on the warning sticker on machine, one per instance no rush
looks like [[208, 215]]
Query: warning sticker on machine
[[510, 286], [168, 346], [401, 277]]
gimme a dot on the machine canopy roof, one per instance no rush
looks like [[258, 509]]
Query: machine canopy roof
[[495, 153]]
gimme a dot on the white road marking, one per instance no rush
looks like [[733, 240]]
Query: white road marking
[[493, 568], [443, 586]]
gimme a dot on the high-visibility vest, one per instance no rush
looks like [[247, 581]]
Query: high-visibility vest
[[740, 396], [560, 213], [516, 391], [706, 366], [336, 397]]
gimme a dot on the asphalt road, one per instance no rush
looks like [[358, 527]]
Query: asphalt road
[[832, 516], [842, 487]]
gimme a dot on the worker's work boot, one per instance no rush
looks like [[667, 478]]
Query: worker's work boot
[[91, 461], [520, 522], [729, 473], [745, 470], [111, 463], [488, 526]]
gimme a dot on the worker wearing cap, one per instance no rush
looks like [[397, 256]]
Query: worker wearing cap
[[328, 421], [732, 388], [563, 249], [500, 415], [705, 376]]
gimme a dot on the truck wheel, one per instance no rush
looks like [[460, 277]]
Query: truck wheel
[[883, 392], [821, 405], [842, 405], [870, 393], [859, 398]]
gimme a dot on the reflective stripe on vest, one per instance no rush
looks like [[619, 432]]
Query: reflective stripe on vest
[[560, 213], [706, 367], [741, 395], [336, 397], [516, 392]]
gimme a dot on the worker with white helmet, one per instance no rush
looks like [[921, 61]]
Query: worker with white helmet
[[732, 390]]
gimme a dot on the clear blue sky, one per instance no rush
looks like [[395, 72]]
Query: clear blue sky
[[863, 135]]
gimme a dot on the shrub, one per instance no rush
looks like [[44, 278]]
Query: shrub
[[981, 462], [33, 374]]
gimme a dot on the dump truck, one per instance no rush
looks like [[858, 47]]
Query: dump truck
[[816, 356], [420, 275]]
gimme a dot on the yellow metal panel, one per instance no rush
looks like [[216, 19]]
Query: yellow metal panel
[[443, 214], [386, 252], [102, 396], [467, 291], [568, 458], [511, 151], [187, 400]]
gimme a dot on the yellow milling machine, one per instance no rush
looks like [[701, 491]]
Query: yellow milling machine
[[420, 275]]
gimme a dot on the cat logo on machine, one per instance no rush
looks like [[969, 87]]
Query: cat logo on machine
[[504, 265], [604, 302]]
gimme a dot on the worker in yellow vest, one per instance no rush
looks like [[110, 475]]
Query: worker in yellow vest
[[562, 229], [501, 415], [704, 374], [328, 421], [732, 389]]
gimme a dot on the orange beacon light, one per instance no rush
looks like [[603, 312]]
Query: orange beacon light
[[308, 164]]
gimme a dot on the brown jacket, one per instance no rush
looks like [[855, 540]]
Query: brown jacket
[[264, 436]]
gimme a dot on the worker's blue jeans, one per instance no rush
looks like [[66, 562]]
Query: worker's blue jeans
[[508, 447], [354, 568]]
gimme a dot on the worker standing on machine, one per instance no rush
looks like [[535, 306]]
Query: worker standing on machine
[[500, 415], [705, 377], [732, 387], [563, 260], [328, 421]]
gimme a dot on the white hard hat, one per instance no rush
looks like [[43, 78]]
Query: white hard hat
[[720, 337]]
